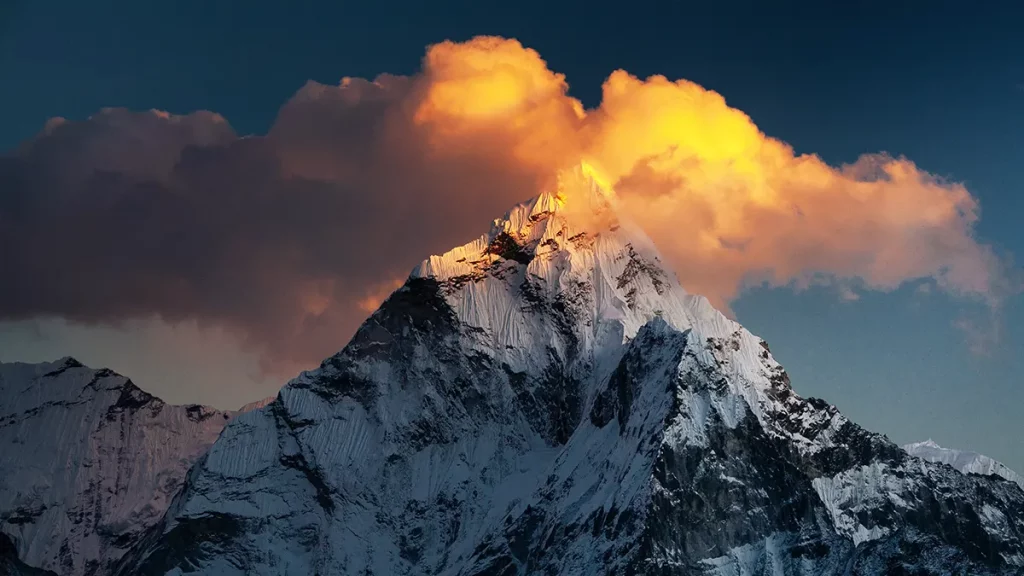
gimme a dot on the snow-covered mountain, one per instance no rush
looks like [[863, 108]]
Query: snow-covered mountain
[[88, 462], [548, 400], [964, 461]]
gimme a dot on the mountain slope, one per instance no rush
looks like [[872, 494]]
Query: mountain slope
[[966, 462], [548, 400], [11, 565], [88, 462]]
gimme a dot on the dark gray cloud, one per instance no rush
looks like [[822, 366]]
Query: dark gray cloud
[[281, 238]]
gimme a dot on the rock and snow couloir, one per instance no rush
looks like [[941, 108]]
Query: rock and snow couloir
[[548, 400], [88, 462]]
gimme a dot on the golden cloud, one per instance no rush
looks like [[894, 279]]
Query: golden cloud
[[727, 204]]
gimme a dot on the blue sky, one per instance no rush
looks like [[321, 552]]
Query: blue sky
[[944, 87]]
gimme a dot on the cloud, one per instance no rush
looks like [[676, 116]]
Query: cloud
[[493, 95], [981, 335], [731, 205], [280, 239], [286, 240]]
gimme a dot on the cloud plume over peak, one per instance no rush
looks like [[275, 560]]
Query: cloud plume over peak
[[288, 239]]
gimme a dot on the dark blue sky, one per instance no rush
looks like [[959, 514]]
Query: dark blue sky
[[943, 85]]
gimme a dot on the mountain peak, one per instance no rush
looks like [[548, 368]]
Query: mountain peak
[[554, 238], [962, 460], [564, 277], [69, 362], [575, 210], [88, 460]]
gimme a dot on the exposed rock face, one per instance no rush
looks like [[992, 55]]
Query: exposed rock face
[[548, 400], [88, 462]]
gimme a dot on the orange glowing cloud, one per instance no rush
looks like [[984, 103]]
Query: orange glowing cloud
[[730, 205], [494, 94], [727, 204]]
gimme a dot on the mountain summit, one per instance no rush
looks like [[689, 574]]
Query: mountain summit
[[88, 462], [966, 462], [547, 399]]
